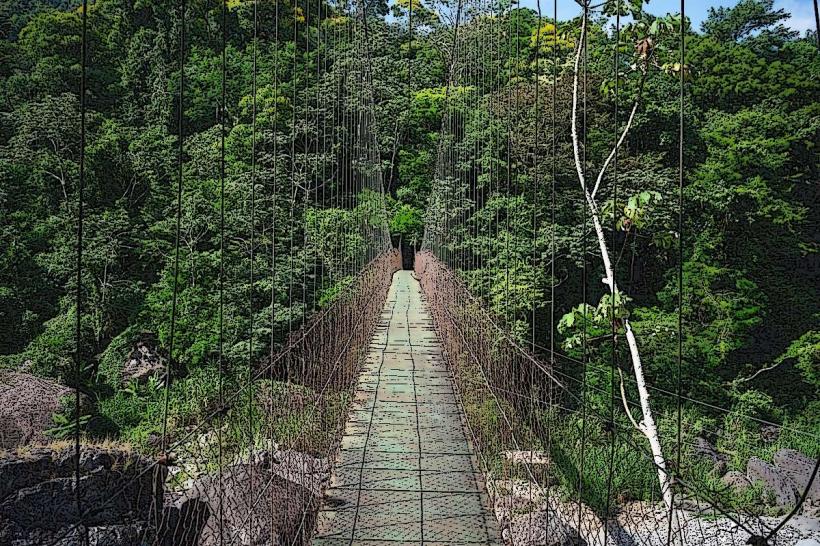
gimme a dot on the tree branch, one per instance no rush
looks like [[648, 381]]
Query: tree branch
[[626, 405], [620, 140]]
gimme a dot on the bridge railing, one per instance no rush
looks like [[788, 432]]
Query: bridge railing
[[254, 468], [553, 457]]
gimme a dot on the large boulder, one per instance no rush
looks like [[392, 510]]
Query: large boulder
[[777, 484], [27, 404], [806, 525], [123, 502], [798, 468], [250, 503], [131, 534], [38, 496], [310, 472], [27, 467], [183, 520]]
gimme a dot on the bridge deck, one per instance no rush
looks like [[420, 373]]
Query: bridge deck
[[405, 473]]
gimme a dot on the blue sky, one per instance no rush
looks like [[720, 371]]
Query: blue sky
[[802, 11]]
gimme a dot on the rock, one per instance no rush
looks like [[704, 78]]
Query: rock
[[780, 486], [527, 457], [811, 510], [542, 528], [798, 468], [132, 534], [769, 433], [704, 448], [523, 489], [28, 467], [183, 522], [276, 496], [805, 525], [27, 404], [513, 497], [808, 542], [118, 496], [256, 504], [736, 480], [300, 468], [143, 361], [506, 506], [39, 494]]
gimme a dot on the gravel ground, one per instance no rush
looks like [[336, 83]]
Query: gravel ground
[[523, 519]]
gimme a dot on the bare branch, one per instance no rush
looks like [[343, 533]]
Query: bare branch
[[626, 405], [760, 371], [620, 141]]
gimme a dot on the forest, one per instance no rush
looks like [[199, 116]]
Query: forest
[[268, 234]]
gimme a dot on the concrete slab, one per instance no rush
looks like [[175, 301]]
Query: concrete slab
[[406, 473]]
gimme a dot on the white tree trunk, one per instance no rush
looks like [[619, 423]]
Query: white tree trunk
[[647, 425]]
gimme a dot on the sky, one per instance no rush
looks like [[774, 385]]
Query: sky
[[802, 11]]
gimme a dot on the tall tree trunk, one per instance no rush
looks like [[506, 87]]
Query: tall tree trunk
[[647, 424]]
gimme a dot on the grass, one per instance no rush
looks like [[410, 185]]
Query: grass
[[200, 434]]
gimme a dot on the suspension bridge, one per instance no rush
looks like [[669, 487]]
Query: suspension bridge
[[393, 391]]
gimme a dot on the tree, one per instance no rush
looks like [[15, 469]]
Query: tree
[[745, 20], [643, 35]]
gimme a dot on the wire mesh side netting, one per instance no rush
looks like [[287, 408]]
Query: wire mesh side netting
[[253, 469], [527, 420], [219, 427], [581, 439]]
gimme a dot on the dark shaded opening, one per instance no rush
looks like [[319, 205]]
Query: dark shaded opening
[[408, 255]]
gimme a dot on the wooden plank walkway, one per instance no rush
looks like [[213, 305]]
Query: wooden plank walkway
[[405, 473]]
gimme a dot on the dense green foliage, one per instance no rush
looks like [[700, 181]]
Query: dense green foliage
[[751, 282]]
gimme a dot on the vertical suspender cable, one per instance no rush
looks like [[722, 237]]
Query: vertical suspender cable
[[275, 173], [346, 141], [497, 42], [292, 187], [178, 229], [180, 165], [552, 229], [481, 154], [317, 180], [272, 350], [306, 162], [583, 46], [321, 134], [221, 312], [614, 332], [507, 202], [78, 326], [816, 22], [679, 386], [480, 101], [409, 82], [534, 391], [536, 163], [252, 256], [273, 226]]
